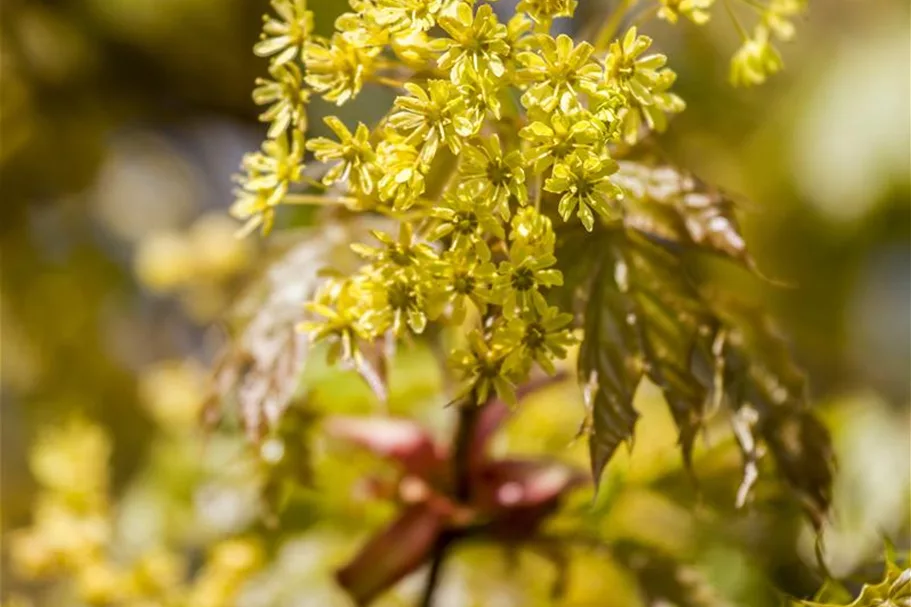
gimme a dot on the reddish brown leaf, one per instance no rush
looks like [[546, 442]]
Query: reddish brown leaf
[[400, 440], [394, 553]]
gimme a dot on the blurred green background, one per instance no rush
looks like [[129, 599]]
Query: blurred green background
[[121, 123]]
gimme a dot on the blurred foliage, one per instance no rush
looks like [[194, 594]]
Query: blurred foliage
[[119, 125]]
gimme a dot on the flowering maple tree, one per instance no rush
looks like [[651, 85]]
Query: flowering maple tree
[[526, 220]]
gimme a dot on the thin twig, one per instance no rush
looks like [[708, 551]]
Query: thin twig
[[315, 199], [436, 566], [462, 442]]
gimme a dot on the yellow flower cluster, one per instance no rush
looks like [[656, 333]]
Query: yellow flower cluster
[[498, 130], [72, 536], [757, 58]]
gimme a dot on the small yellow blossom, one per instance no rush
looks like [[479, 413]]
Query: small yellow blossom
[[466, 280], [542, 11], [552, 138], [286, 97], [696, 11], [481, 368], [520, 280], [403, 173], [585, 186], [477, 43], [431, 116], [493, 175], [354, 155], [635, 73], [267, 177], [756, 60], [336, 68], [538, 335], [557, 72], [466, 223], [283, 37]]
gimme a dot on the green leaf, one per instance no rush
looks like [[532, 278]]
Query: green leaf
[[643, 315], [609, 359], [893, 591], [762, 381], [678, 210], [663, 580], [259, 369], [673, 320]]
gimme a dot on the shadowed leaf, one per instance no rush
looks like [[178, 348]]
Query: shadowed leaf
[[893, 591], [609, 360], [258, 371], [762, 380], [674, 208], [664, 580], [642, 314]]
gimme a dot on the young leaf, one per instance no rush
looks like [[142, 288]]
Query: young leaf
[[642, 314], [761, 376], [259, 369], [678, 210], [893, 591], [609, 358]]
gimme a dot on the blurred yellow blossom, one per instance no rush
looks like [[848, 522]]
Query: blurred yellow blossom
[[756, 60], [72, 460], [163, 261], [174, 391]]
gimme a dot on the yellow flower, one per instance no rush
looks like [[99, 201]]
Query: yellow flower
[[778, 14], [337, 68], [481, 368], [664, 102], [403, 255], [543, 11], [403, 178], [399, 303], [404, 15], [287, 97], [267, 177], [480, 97], [493, 175], [553, 137], [465, 280], [353, 152], [532, 230], [636, 74], [585, 186], [340, 304], [284, 36], [696, 11], [539, 334], [467, 223], [756, 60], [556, 72], [519, 280], [430, 117], [477, 43], [360, 27], [413, 48]]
